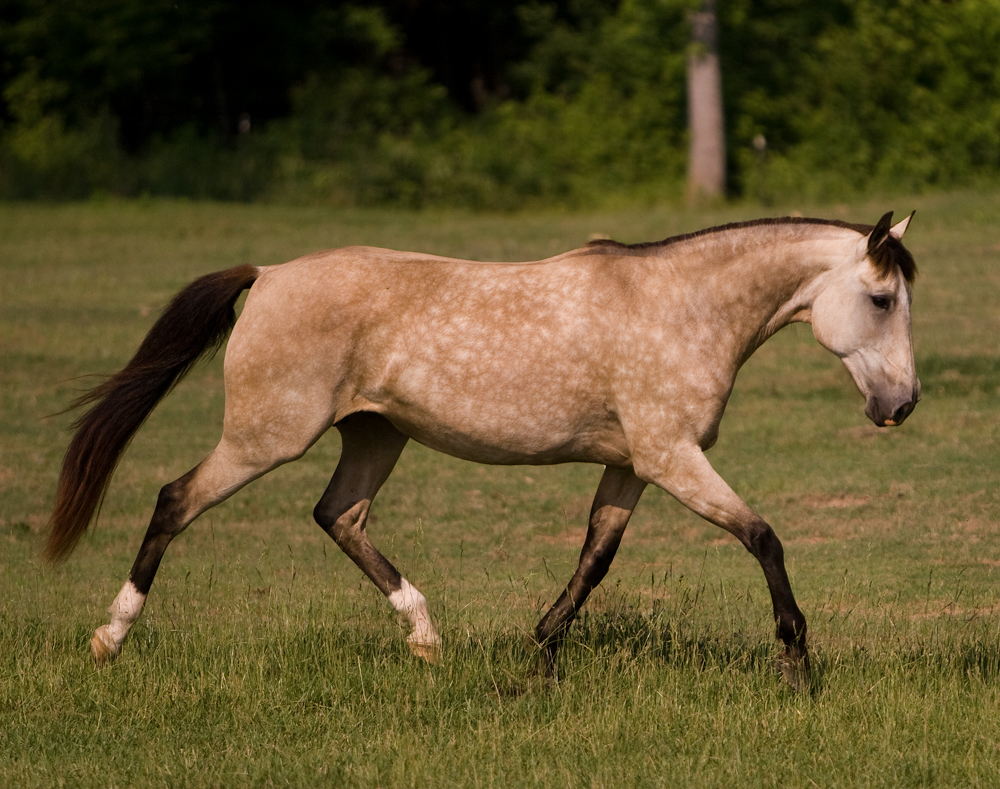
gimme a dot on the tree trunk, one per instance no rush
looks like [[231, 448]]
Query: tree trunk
[[707, 156]]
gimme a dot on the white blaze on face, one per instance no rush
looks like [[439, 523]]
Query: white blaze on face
[[423, 639]]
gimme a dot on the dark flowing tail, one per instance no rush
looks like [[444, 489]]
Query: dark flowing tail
[[194, 325]]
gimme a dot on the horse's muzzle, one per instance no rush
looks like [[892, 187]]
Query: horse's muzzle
[[892, 412]]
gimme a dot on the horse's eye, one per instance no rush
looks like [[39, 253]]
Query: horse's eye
[[881, 302]]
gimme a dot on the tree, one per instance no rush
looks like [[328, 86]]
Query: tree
[[707, 156]]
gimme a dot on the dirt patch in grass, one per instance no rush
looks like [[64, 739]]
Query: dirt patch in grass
[[868, 432], [841, 501]]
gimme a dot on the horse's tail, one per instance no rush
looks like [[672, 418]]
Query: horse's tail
[[193, 325]]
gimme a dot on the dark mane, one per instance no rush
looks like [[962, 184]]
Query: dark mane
[[888, 257]]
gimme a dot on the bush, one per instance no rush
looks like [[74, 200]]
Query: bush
[[191, 165], [612, 122], [851, 95], [905, 96], [45, 159]]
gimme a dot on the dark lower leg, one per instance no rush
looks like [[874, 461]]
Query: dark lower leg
[[167, 522], [371, 447], [616, 497], [691, 479], [790, 624], [215, 479], [346, 523]]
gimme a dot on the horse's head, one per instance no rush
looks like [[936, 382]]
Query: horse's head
[[862, 314]]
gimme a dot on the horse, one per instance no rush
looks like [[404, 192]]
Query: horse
[[623, 355]]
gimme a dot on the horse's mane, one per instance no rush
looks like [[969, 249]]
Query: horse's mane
[[887, 257]]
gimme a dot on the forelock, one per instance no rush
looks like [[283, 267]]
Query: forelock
[[890, 255]]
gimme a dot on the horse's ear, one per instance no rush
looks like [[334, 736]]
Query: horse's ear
[[881, 232], [897, 230]]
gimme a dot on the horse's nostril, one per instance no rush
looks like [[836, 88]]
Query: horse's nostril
[[902, 412]]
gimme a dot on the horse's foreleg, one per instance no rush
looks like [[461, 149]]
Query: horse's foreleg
[[691, 479], [616, 497], [371, 447]]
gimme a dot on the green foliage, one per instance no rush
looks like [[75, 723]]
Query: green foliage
[[603, 114], [587, 100], [904, 96], [45, 158], [191, 165]]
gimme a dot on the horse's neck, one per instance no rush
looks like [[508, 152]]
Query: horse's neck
[[761, 286]]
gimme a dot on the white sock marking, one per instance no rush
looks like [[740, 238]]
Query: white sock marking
[[413, 605], [125, 611]]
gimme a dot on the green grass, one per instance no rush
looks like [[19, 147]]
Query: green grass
[[265, 658]]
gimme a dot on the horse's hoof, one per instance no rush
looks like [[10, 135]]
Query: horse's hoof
[[103, 647], [795, 671], [544, 660], [427, 650], [541, 684], [545, 668]]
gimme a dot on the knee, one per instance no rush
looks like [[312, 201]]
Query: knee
[[168, 517], [343, 525], [323, 517], [596, 563], [760, 539]]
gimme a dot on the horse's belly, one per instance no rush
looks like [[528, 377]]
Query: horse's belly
[[481, 384], [501, 436]]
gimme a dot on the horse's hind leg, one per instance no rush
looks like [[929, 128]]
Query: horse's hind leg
[[616, 497], [371, 447], [214, 480]]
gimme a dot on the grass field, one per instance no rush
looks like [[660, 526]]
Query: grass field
[[264, 658]]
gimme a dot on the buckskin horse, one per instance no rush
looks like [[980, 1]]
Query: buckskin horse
[[619, 354]]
